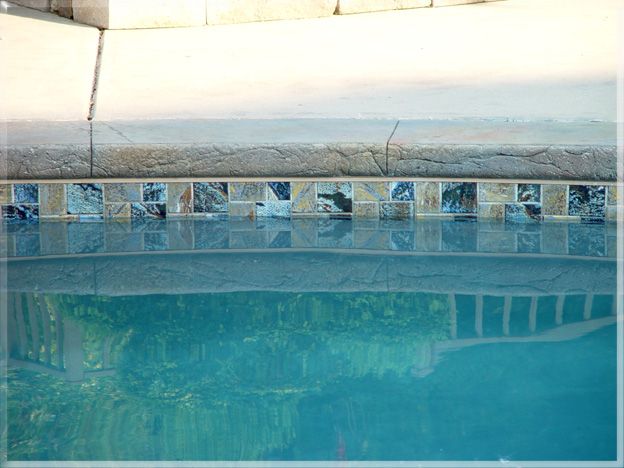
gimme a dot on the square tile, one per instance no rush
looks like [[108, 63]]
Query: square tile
[[85, 199], [122, 193], [273, 209], [554, 200], [26, 193], [402, 191], [529, 193], [459, 197], [179, 198], [303, 197], [334, 197], [370, 191], [427, 197], [53, 199], [278, 191], [210, 197], [587, 200], [489, 192], [154, 192], [247, 191]]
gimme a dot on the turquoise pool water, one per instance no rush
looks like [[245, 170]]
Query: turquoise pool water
[[311, 340]]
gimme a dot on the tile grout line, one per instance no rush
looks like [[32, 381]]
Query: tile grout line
[[388, 146]]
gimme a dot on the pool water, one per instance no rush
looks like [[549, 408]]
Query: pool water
[[311, 340]]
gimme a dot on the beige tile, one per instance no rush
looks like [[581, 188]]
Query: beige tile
[[427, 197], [53, 200], [554, 200]]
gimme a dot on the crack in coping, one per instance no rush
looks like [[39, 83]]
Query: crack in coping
[[388, 146], [96, 75]]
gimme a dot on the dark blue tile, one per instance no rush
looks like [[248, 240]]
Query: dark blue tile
[[20, 212], [155, 192], [587, 201], [459, 197], [85, 199], [26, 193], [334, 197], [402, 191], [210, 197], [279, 191], [529, 193]]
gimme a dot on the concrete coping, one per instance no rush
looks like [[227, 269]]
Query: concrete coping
[[312, 148]]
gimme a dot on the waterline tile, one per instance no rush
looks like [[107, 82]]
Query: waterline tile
[[85, 199], [402, 191], [210, 197], [334, 197], [459, 197]]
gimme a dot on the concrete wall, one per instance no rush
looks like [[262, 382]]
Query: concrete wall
[[131, 14]]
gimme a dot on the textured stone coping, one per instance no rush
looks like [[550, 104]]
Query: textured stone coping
[[312, 148]]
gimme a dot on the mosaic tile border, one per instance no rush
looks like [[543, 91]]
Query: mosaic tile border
[[378, 199]]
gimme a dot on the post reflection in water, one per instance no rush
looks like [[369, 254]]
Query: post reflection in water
[[331, 351]]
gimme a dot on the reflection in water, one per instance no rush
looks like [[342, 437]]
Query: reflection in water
[[280, 356]]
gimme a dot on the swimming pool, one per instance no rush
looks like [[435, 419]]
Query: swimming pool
[[311, 340]]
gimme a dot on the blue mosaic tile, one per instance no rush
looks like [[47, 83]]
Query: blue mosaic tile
[[85, 199], [459, 197], [210, 197], [586, 240], [279, 191], [209, 235], [587, 200], [26, 193], [334, 197], [523, 212], [148, 210], [459, 237], [402, 191], [155, 192], [155, 241], [20, 212], [273, 209], [529, 193], [85, 238], [402, 240]]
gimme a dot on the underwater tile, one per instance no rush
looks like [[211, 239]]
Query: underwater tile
[[154, 192], [279, 239], [27, 246], [587, 200], [247, 191], [611, 213], [117, 210], [242, 209], [529, 242], [370, 191], [459, 236], [20, 212], [402, 191], [155, 241], [529, 193], [554, 200], [611, 246], [334, 197], [53, 238], [427, 197], [210, 234], [335, 233], [612, 196], [428, 235], [304, 232], [118, 242], [85, 237], [554, 238], [523, 212], [491, 211], [459, 197], [179, 198], [402, 240], [586, 240], [53, 200], [303, 197], [497, 241], [275, 209], [491, 192], [148, 210], [26, 193], [6, 194], [366, 210], [210, 197], [180, 233], [122, 193], [85, 199], [248, 239], [278, 191], [396, 210], [372, 239]]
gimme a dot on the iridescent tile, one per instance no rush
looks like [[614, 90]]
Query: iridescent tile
[[117, 210], [396, 210], [210, 197], [402, 191], [20, 212], [122, 193], [370, 191], [273, 209], [148, 210], [154, 192], [179, 198], [554, 200], [491, 211], [6, 193], [529, 193], [427, 197], [242, 209], [459, 197], [490, 192], [523, 212], [366, 210], [84, 199], [278, 191], [304, 197], [53, 200], [247, 191], [587, 201], [26, 193], [334, 197]]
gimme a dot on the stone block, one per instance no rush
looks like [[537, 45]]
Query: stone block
[[126, 14], [346, 7], [244, 11]]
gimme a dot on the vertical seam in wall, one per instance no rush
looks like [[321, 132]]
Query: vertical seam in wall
[[388, 145], [96, 75]]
